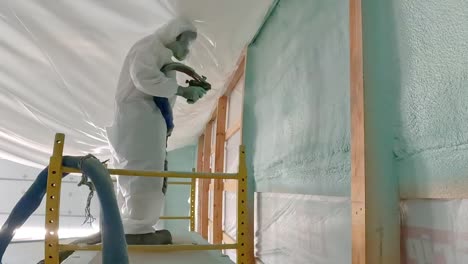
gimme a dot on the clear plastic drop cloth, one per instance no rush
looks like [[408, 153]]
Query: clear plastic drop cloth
[[61, 62], [434, 231], [299, 229], [296, 228]]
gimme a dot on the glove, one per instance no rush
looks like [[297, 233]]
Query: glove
[[191, 93]]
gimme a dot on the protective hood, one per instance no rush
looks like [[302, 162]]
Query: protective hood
[[169, 32]]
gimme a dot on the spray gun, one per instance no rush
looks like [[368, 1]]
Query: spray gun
[[163, 103], [197, 80]]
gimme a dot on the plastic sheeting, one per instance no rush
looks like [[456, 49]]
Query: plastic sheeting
[[298, 229], [62, 61], [434, 231], [296, 110]]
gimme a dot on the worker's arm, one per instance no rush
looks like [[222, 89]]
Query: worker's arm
[[148, 78]]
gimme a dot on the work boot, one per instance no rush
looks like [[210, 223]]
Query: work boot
[[160, 237]]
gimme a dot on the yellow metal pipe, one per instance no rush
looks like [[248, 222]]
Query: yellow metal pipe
[[192, 205], [145, 248], [174, 217], [161, 174], [243, 246], [54, 181]]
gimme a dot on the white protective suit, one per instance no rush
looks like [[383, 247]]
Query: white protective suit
[[138, 133]]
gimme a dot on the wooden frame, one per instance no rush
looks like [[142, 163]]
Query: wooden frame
[[374, 196], [218, 187], [205, 184], [358, 176], [54, 179], [219, 167]]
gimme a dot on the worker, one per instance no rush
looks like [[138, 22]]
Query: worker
[[137, 136]]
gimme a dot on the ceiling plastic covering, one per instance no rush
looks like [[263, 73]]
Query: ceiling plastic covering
[[61, 61]]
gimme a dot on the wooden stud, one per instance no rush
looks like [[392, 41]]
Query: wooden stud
[[201, 139], [219, 167], [240, 71], [358, 176], [205, 183], [231, 131], [226, 237], [230, 186], [235, 79]]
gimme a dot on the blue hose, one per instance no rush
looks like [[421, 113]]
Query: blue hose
[[114, 246], [166, 111]]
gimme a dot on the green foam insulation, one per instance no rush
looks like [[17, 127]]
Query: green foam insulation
[[177, 196], [431, 141], [296, 108]]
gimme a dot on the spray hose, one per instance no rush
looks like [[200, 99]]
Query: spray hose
[[114, 246], [163, 103]]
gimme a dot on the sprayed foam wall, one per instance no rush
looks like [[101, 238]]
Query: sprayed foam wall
[[296, 129], [296, 112], [432, 134]]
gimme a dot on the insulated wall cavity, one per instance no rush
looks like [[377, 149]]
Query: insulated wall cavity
[[296, 129], [296, 110], [432, 136]]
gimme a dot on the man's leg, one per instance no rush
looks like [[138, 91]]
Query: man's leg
[[142, 205], [142, 198]]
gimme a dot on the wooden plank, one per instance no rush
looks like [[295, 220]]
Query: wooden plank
[[358, 176], [205, 183], [200, 153], [231, 131], [230, 186], [236, 77], [219, 167], [226, 237]]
